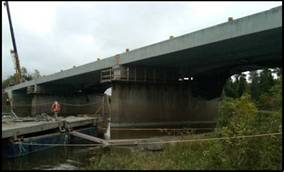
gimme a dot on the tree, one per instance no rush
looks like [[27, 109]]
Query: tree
[[35, 74], [272, 99], [230, 88], [235, 89], [254, 90], [25, 75], [277, 71], [11, 80], [241, 117], [242, 84], [265, 81]]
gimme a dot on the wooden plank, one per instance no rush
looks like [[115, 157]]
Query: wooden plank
[[79, 121], [88, 137]]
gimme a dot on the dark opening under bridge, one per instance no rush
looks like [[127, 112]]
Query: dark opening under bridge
[[177, 81]]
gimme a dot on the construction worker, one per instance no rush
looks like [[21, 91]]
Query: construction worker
[[55, 108]]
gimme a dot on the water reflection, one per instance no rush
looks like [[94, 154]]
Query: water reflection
[[65, 158]]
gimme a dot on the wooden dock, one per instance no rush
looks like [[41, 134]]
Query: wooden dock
[[14, 128]]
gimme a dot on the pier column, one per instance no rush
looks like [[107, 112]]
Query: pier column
[[155, 104]]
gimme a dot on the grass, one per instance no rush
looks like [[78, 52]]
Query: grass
[[175, 156], [205, 155]]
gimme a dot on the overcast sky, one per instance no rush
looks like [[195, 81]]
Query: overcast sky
[[51, 36]]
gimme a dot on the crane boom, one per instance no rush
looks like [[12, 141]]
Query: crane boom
[[14, 52]]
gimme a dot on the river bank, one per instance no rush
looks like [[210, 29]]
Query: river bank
[[262, 150], [201, 155]]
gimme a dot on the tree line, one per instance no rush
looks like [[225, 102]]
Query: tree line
[[26, 76], [259, 85]]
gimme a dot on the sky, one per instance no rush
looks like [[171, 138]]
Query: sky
[[54, 36]]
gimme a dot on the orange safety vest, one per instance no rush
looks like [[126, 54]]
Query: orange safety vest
[[55, 107]]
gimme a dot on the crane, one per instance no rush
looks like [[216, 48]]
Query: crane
[[14, 52]]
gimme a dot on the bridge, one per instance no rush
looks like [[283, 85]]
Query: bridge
[[173, 82]]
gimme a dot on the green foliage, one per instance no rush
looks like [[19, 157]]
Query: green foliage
[[25, 75], [226, 111], [260, 84], [237, 88], [272, 99], [266, 81], [242, 87], [253, 153], [11, 80], [267, 153], [253, 76], [230, 88], [230, 109]]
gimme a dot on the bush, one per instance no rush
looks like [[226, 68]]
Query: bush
[[243, 119]]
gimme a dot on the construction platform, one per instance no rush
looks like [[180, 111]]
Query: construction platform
[[29, 126]]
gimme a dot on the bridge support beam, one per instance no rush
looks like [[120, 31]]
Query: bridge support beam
[[160, 104]]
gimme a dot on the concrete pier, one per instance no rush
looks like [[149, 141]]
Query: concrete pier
[[136, 104]]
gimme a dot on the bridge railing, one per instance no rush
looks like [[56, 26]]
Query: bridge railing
[[106, 75], [139, 74]]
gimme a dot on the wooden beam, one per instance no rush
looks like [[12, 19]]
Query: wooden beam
[[88, 137]]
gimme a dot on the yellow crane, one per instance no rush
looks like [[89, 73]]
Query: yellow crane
[[14, 52]]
